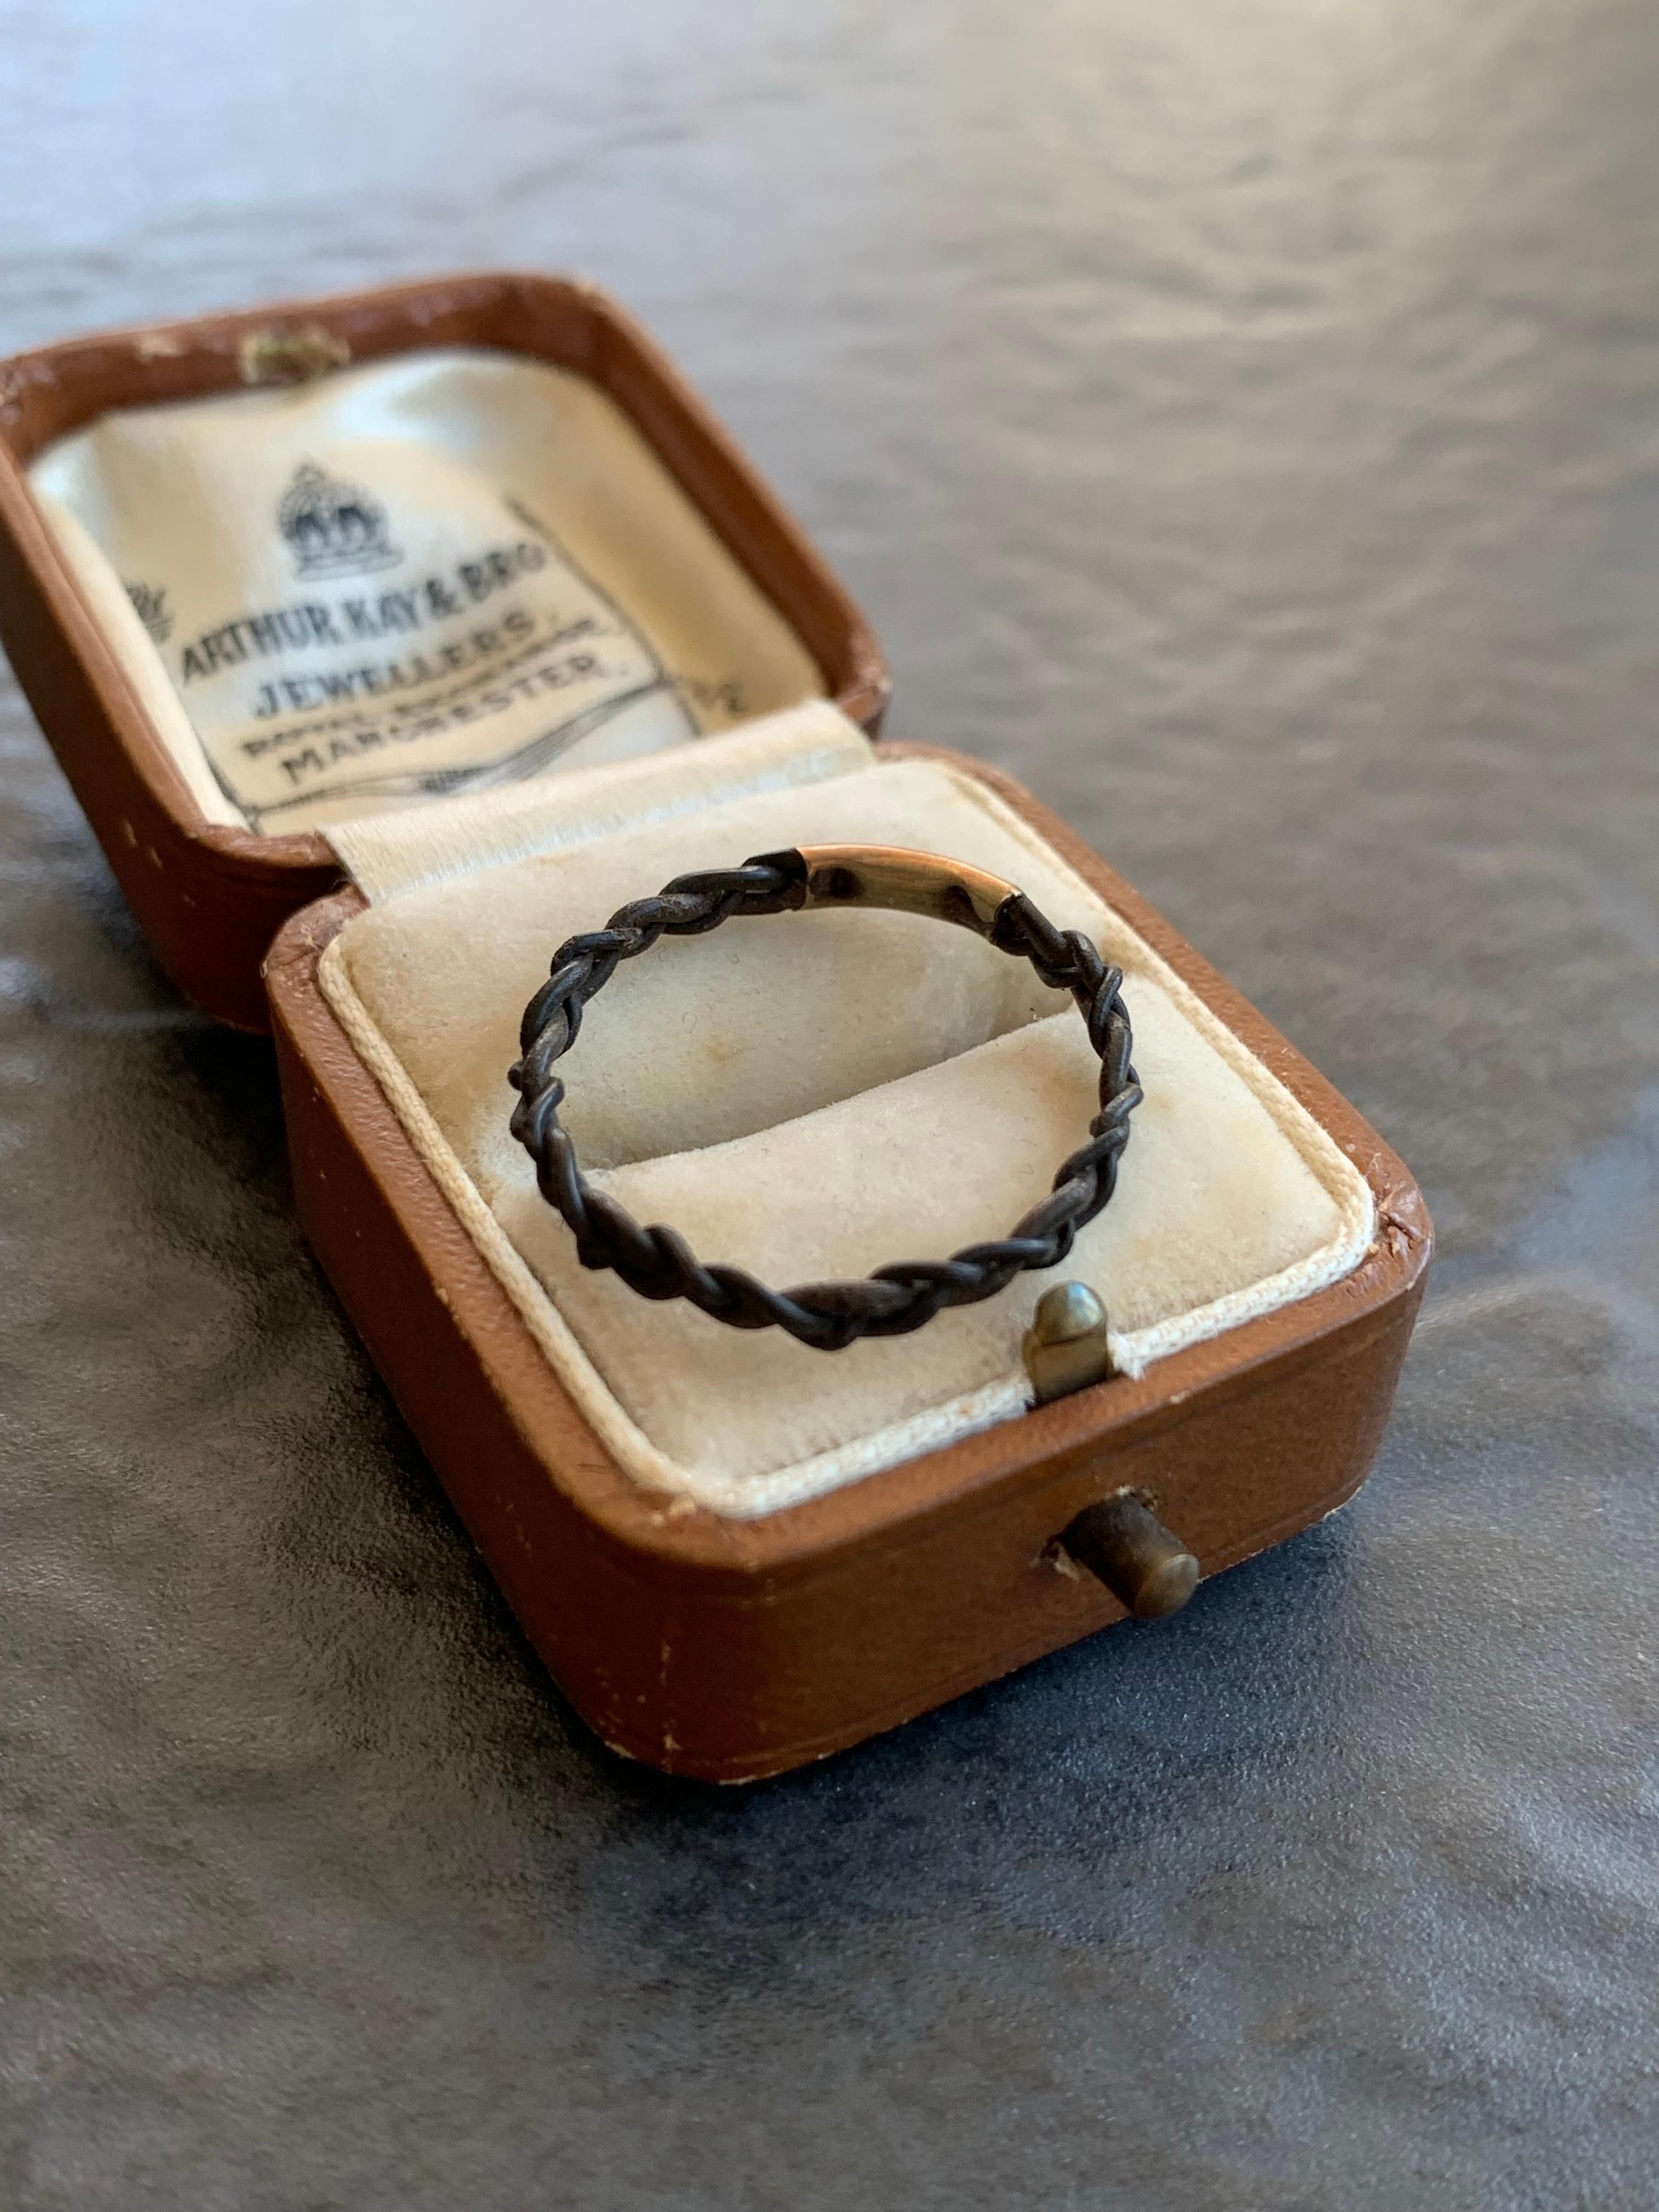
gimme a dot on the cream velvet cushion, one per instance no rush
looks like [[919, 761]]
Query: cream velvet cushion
[[809, 1095]]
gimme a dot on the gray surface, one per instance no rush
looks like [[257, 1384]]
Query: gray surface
[[1241, 421]]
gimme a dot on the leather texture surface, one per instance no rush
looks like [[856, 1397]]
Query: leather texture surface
[[1239, 421]]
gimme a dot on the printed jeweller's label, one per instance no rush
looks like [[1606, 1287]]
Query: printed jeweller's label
[[469, 650]]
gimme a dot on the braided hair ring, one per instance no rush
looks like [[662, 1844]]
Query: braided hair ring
[[656, 1262]]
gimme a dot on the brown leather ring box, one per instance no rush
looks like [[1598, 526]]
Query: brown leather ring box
[[709, 1628]]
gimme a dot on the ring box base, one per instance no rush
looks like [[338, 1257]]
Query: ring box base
[[729, 1649]]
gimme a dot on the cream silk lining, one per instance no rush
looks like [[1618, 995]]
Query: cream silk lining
[[809, 1095], [445, 572]]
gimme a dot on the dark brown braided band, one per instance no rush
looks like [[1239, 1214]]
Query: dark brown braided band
[[656, 1262]]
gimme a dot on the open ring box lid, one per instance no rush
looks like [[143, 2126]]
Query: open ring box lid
[[733, 1553], [232, 635]]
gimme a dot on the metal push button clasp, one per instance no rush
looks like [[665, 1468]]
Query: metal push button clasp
[[1120, 1541], [1066, 1348], [1123, 1544]]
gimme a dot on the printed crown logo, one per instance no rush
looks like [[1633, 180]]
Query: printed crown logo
[[149, 604], [335, 529]]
